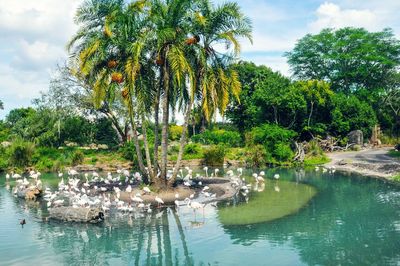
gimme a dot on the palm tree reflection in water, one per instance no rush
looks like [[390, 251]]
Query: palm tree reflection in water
[[121, 240]]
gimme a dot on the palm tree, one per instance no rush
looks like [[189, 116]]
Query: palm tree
[[105, 51], [215, 80], [171, 28], [153, 52]]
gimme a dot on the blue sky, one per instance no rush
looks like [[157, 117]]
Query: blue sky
[[33, 35]]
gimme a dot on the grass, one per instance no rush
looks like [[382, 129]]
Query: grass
[[316, 160], [394, 153], [396, 178]]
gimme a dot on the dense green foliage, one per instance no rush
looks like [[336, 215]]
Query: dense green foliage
[[219, 136], [276, 141], [349, 58], [215, 155]]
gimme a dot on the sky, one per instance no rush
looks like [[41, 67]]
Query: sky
[[33, 35]]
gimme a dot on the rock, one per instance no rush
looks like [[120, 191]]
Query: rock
[[6, 144], [71, 144], [81, 215], [102, 147], [356, 137]]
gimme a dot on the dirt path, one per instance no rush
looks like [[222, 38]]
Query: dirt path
[[371, 162]]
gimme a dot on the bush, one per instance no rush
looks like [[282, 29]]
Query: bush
[[313, 149], [220, 136], [276, 141], [77, 158], [283, 152], [175, 132], [256, 156], [192, 148], [128, 151], [214, 155], [21, 153]]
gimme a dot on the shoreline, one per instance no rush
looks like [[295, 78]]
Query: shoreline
[[369, 162]]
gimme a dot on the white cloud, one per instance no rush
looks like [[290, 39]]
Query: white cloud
[[33, 35], [330, 15]]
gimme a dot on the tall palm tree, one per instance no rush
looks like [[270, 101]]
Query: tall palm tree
[[171, 28], [105, 52], [215, 81]]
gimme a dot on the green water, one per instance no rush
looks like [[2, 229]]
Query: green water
[[348, 220]]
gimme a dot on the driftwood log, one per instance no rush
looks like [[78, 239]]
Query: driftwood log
[[80, 215]]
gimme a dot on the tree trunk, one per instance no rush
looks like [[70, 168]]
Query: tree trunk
[[182, 144], [165, 120], [203, 124], [136, 143], [115, 124], [311, 111], [275, 115], [156, 129], [194, 129], [147, 151]]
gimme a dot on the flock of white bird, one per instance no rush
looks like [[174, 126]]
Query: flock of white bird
[[95, 191]]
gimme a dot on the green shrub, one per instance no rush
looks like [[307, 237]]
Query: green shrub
[[173, 149], [220, 136], [128, 151], [20, 153], [214, 155], [355, 147], [77, 157], [276, 141], [192, 148], [175, 132], [283, 152], [256, 156], [313, 149]]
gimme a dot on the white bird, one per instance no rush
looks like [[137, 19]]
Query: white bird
[[262, 173], [206, 169], [194, 205], [216, 172], [16, 176], [60, 174], [277, 176], [7, 176], [128, 189], [137, 199], [146, 190], [159, 201], [72, 172]]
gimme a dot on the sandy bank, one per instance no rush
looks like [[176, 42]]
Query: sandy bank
[[370, 162]]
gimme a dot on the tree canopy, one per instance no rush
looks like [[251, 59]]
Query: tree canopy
[[349, 58]]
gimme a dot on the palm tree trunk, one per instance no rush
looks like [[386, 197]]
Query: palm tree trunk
[[156, 129], [182, 144], [165, 120], [136, 143], [147, 151]]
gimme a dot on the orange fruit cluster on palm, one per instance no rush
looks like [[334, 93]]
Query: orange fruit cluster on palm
[[117, 77], [193, 40], [124, 93], [112, 63]]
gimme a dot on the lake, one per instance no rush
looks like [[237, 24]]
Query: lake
[[304, 218]]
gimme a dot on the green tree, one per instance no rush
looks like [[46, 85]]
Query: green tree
[[348, 58], [349, 113], [316, 93], [266, 96], [1, 105]]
